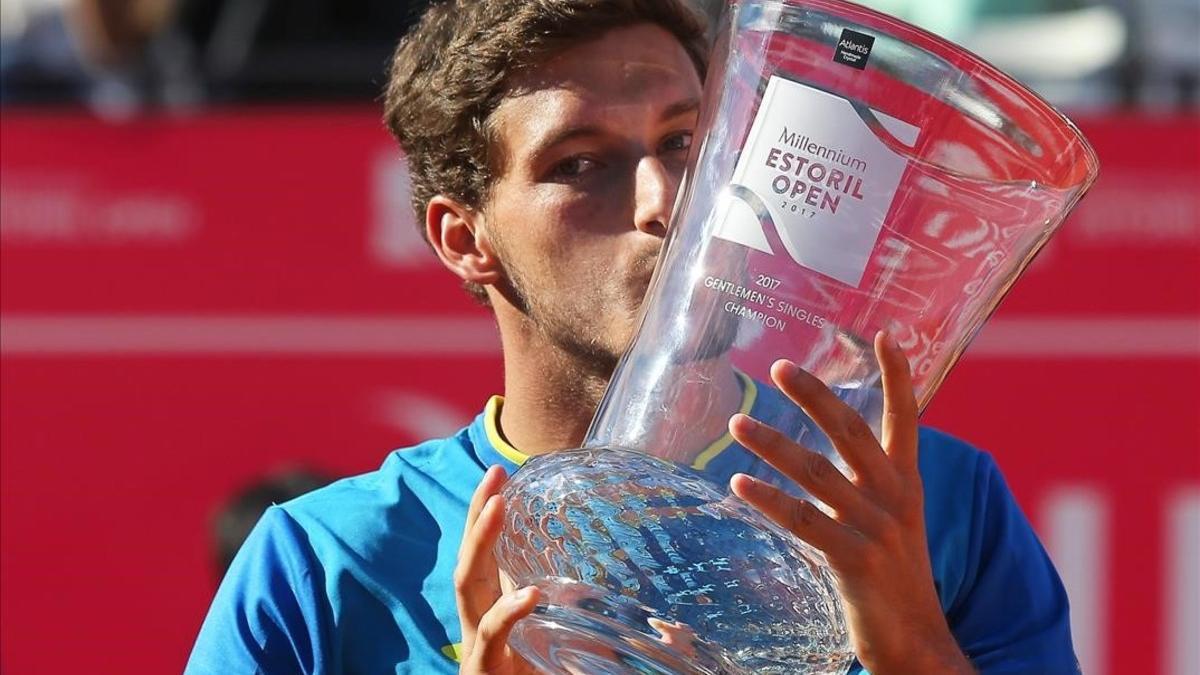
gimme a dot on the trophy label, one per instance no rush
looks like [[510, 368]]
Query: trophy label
[[814, 180], [854, 48]]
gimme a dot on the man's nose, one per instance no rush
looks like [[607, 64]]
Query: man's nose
[[654, 196]]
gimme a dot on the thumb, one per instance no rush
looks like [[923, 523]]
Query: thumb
[[490, 650]]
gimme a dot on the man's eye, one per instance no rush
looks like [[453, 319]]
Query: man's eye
[[678, 142], [573, 167]]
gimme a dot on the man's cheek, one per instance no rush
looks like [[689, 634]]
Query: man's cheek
[[603, 211]]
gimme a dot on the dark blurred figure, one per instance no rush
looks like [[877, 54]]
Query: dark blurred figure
[[293, 49], [91, 51], [117, 56], [239, 515]]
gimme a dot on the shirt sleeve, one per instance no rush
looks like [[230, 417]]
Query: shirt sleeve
[[1010, 614], [266, 616]]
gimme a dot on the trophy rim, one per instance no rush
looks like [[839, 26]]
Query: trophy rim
[[1037, 110]]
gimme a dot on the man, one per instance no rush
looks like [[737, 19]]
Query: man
[[546, 140]]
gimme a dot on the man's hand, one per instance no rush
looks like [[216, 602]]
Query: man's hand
[[875, 538], [486, 612]]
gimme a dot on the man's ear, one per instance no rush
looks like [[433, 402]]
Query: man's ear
[[460, 240]]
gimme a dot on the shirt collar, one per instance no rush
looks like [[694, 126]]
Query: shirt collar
[[749, 395], [492, 448], [490, 445]]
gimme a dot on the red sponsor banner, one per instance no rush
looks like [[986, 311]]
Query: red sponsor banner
[[189, 303]]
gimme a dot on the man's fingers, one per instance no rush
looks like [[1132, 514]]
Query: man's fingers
[[899, 430], [475, 592], [493, 480], [848, 431], [675, 634], [812, 470], [476, 579], [490, 651], [798, 516]]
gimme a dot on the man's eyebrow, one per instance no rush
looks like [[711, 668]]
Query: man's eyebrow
[[680, 107], [544, 145]]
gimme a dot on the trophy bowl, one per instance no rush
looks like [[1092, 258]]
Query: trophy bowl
[[648, 564]]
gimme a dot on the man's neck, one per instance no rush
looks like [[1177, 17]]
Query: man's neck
[[549, 397]]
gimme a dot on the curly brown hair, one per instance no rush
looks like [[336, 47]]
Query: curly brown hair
[[452, 70]]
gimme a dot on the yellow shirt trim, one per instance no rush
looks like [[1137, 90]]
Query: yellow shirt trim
[[453, 652], [491, 419], [749, 394]]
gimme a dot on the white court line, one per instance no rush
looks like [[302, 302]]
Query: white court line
[[1182, 589], [1076, 527], [149, 335]]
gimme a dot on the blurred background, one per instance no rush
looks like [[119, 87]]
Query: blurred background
[[213, 297]]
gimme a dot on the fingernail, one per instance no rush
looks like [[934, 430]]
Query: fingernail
[[746, 422], [787, 368], [523, 595], [750, 481]]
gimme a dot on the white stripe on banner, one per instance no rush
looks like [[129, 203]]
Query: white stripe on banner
[[1182, 590], [1089, 337], [315, 334], [1076, 526], [120, 335]]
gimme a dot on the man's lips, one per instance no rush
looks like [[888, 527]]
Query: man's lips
[[643, 272]]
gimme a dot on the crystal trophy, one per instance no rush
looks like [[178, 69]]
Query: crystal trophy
[[851, 174]]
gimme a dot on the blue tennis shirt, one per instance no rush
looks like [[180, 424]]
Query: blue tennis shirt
[[357, 577]]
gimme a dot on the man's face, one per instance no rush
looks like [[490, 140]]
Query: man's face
[[594, 143]]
